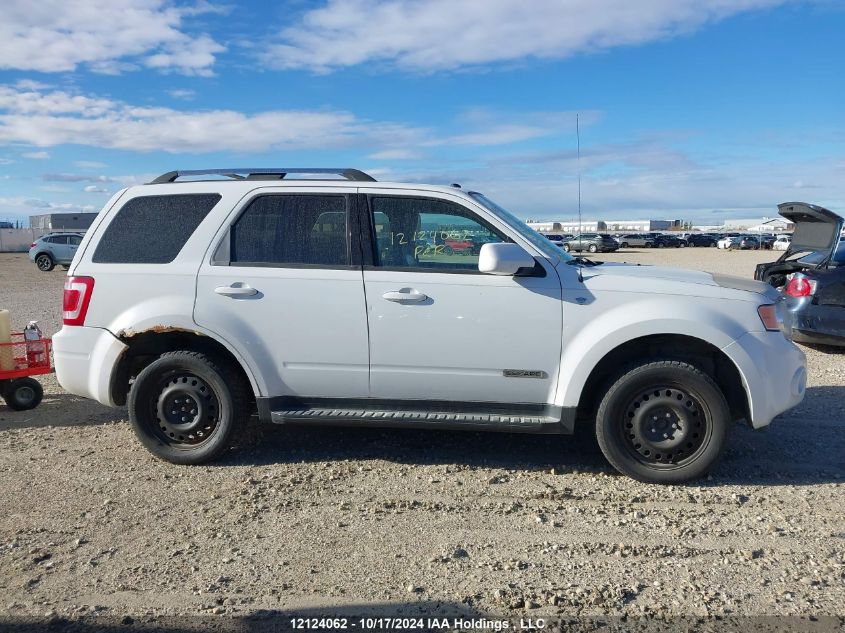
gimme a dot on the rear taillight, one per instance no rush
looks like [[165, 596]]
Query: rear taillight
[[77, 296], [32, 245], [798, 285]]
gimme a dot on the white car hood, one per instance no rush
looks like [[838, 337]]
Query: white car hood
[[664, 280], [654, 272]]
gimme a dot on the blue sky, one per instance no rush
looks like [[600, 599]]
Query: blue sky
[[693, 109]]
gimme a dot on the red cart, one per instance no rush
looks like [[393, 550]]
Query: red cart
[[19, 361]]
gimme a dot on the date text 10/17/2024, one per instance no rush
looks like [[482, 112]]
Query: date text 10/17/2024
[[415, 624]]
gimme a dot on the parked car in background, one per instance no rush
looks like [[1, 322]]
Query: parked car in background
[[591, 242], [749, 242], [554, 238], [702, 239], [811, 275], [782, 243], [635, 239], [52, 249], [766, 240], [665, 241], [728, 242]]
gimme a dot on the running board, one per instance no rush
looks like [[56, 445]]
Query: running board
[[533, 422]]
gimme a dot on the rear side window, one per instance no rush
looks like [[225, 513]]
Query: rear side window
[[281, 230], [57, 239], [153, 229]]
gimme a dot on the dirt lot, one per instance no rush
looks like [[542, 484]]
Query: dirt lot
[[312, 521]]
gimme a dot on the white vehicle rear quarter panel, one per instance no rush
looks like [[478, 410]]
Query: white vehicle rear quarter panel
[[85, 358]]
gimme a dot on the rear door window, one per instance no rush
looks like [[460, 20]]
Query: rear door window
[[153, 229], [292, 230]]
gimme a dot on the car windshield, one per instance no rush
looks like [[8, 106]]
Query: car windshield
[[543, 245]]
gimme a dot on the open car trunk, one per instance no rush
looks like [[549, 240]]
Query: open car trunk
[[816, 231]]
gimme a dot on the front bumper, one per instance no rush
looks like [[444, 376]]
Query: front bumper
[[85, 359], [773, 371]]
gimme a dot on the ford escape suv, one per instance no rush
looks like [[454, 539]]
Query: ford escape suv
[[206, 296]]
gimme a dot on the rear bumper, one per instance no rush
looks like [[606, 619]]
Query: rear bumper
[[85, 359], [823, 324], [774, 373]]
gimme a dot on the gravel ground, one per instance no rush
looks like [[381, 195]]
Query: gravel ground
[[324, 521]]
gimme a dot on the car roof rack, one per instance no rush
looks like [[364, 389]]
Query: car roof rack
[[264, 173]]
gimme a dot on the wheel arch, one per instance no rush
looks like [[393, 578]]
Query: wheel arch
[[704, 355], [145, 346]]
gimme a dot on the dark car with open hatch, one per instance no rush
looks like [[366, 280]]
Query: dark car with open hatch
[[811, 275]]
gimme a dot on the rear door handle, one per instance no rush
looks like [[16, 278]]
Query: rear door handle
[[236, 291], [404, 297]]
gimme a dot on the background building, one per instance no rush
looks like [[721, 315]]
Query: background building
[[759, 225], [62, 221]]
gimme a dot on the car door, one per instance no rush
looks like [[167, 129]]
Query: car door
[[73, 242], [441, 330], [58, 248], [281, 288]]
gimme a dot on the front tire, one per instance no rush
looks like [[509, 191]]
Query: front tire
[[663, 422], [592, 248], [186, 407], [567, 247], [22, 394], [45, 263], [624, 245]]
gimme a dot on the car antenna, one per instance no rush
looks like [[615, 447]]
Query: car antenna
[[578, 154]]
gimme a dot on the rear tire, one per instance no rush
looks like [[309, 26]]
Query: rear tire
[[663, 422], [22, 394], [186, 407], [44, 262]]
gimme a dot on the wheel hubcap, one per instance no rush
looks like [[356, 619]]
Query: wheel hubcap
[[25, 395], [43, 263], [664, 426], [186, 410]]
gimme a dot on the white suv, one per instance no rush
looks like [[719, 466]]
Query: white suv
[[203, 297]]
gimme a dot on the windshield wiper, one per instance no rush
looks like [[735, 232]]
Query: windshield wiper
[[577, 260]]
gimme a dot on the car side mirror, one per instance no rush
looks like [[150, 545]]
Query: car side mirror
[[503, 258]]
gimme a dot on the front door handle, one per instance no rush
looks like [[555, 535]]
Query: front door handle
[[408, 296], [236, 291]]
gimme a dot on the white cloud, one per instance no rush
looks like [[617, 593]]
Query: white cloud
[[74, 178], [44, 119], [444, 34], [89, 164], [20, 206], [396, 154], [94, 189], [108, 36], [36, 155], [183, 94]]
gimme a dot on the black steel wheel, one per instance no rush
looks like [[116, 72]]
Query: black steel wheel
[[663, 422], [185, 407], [22, 394], [44, 262]]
